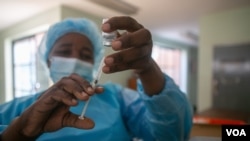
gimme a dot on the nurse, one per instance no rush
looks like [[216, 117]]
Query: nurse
[[72, 50]]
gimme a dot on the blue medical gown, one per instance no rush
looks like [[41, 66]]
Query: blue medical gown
[[120, 114]]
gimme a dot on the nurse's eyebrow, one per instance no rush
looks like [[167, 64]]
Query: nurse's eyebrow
[[65, 45], [87, 48]]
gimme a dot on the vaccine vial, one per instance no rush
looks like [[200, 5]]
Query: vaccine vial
[[108, 37]]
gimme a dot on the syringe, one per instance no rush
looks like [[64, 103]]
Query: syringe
[[107, 40], [93, 84]]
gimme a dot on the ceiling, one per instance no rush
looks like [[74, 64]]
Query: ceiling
[[174, 19]]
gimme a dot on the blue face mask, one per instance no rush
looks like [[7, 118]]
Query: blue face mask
[[61, 67]]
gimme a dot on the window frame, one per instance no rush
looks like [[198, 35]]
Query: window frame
[[183, 63], [31, 65]]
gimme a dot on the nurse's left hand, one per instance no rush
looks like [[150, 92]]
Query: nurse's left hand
[[133, 47], [133, 51]]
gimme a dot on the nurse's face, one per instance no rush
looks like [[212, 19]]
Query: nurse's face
[[73, 45]]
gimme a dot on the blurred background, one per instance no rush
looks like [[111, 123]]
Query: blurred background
[[204, 45]]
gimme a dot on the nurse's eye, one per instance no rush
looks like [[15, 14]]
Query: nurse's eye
[[63, 49], [63, 52], [86, 56]]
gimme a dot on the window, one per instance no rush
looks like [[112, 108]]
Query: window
[[25, 65], [173, 62]]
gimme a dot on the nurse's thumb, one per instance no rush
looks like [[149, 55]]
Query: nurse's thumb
[[73, 120]]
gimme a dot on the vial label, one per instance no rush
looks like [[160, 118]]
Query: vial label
[[108, 37]]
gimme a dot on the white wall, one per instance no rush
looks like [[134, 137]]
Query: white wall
[[225, 28]]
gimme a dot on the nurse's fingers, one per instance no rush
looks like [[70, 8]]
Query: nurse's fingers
[[139, 64], [122, 23], [88, 90], [86, 86], [128, 55], [136, 39], [72, 120], [72, 87], [99, 89], [64, 97]]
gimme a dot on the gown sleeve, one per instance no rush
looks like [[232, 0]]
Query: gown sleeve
[[166, 116], [12, 109]]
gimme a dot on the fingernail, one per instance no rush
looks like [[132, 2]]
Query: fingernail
[[90, 90], [106, 27], [109, 60], [105, 69], [84, 94], [116, 45], [74, 101]]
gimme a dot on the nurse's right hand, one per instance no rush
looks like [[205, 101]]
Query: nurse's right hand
[[51, 110]]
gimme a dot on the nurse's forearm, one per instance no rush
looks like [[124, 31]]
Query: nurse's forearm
[[14, 133], [152, 79]]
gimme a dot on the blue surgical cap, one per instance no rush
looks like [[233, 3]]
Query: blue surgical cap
[[72, 25]]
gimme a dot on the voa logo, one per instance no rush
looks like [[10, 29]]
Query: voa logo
[[236, 132]]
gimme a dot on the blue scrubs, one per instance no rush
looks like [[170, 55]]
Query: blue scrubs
[[120, 114]]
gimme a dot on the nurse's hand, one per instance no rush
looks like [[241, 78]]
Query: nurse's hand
[[51, 110], [134, 48]]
